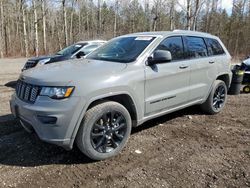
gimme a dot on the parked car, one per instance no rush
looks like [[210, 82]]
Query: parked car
[[78, 50], [129, 80], [246, 79], [246, 63]]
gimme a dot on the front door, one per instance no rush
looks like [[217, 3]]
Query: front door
[[167, 84]]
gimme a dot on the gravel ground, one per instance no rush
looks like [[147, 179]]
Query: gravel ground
[[182, 149]]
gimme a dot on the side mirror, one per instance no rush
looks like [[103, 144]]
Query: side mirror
[[160, 56], [80, 55]]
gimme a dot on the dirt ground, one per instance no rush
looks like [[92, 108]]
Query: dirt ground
[[182, 149]]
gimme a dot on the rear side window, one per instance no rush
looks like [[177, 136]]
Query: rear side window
[[89, 48], [196, 47], [214, 47], [174, 45]]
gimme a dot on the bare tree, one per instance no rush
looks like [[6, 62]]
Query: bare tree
[[1, 28], [65, 28], [198, 6], [99, 18], [157, 4], [44, 26], [24, 29], [36, 28], [172, 14], [29, 27], [115, 18]]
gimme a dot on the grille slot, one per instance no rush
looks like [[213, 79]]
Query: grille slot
[[27, 92], [29, 64]]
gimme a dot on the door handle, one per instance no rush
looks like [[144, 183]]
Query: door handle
[[183, 66], [211, 62]]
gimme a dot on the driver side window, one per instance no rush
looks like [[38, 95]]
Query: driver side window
[[174, 45]]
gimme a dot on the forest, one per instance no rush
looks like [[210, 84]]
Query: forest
[[36, 27]]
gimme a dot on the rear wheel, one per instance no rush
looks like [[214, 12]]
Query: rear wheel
[[216, 99], [246, 89], [104, 131]]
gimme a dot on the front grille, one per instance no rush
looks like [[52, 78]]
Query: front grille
[[27, 92], [29, 64]]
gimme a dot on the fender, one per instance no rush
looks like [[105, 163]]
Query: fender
[[211, 86], [85, 107]]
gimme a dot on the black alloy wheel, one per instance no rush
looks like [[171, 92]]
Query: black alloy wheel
[[108, 131], [219, 97]]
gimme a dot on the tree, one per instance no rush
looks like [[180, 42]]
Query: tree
[[65, 28], [44, 25], [25, 38], [33, 27], [1, 28], [36, 28]]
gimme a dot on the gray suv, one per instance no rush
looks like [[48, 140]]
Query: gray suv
[[133, 78]]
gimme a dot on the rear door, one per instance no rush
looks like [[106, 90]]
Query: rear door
[[167, 84], [202, 67]]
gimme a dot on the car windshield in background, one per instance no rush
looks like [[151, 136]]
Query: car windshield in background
[[70, 50], [124, 49]]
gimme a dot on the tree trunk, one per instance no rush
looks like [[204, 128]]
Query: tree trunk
[[65, 24], [196, 12], [188, 26], [87, 24], [79, 21], [99, 18], [5, 38], [36, 28], [207, 16], [44, 27], [115, 19], [172, 12], [1, 28], [58, 35], [25, 32]]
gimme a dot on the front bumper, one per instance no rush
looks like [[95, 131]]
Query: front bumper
[[66, 112]]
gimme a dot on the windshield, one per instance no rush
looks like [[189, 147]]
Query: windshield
[[123, 49], [70, 50]]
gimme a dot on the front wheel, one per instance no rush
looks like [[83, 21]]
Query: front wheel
[[216, 99], [104, 131]]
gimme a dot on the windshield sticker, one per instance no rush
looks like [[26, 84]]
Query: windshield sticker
[[78, 45], [144, 38]]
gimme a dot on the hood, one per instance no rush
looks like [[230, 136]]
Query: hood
[[65, 72]]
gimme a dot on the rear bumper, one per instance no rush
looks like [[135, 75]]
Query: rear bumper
[[64, 113]]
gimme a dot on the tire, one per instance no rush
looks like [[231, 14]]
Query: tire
[[98, 137], [246, 89], [209, 106]]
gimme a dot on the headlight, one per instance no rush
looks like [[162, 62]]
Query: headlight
[[57, 92], [43, 62]]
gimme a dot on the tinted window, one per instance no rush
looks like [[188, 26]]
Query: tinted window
[[174, 45], [89, 48], [214, 47], [70, 50], [122, 49], [196, 47]]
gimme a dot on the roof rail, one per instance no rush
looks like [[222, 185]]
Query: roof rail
[[190, 31]]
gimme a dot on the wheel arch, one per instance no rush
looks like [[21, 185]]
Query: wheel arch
[[225, 78], [123, 98]]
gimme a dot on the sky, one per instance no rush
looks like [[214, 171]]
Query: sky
[[225, 4], [228, 5]]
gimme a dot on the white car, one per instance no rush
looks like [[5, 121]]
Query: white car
[[77, 50]]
